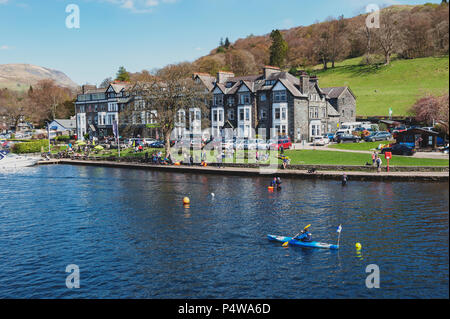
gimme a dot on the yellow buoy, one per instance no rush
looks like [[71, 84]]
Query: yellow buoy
[[186, 201], [358, 246]]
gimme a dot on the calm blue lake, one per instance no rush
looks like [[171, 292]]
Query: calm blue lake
[[131, 237]]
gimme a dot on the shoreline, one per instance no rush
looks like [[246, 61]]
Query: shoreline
[[411, 176]]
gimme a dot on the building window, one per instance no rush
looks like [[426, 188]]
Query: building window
[[277, 113], [283, 114], [263, 97], [263, 115], [231, 115], [244, 99], [230, 101], [279, 96], [218, 99], [241, 115]]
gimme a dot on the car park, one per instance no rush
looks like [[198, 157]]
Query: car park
[[399, 149]]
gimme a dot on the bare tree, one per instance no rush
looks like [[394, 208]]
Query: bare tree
[[387, 36], [171, 91], [46, 97], [14, 107], [338, 42]]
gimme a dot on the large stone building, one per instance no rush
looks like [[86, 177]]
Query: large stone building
[[278, 103], [272, 103]]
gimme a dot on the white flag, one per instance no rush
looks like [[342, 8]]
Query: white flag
[[339, 229]]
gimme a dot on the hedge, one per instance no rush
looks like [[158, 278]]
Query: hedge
[[30, 147]]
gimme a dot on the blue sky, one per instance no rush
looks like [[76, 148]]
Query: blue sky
[[146, 34]]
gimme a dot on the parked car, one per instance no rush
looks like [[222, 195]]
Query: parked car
[[157, 144], [320, 141], [281, 141], [148, 141], [399, 149], [330, 136], [378, 136], [348, 138], [399, 129]]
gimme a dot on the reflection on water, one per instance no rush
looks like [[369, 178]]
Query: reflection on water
[[132, 237]]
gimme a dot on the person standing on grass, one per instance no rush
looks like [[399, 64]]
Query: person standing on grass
[[374, 157]]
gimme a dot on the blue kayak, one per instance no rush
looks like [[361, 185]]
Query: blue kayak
[[294, 242]]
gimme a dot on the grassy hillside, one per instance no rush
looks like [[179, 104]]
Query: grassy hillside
[[397, 85]]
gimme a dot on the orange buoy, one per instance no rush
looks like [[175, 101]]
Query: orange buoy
[[186, 201], [270, 188]]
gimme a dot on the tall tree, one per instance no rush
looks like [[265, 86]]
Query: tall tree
[[278, 49], [172, 90], [14, 107], [46, 98], [105, 83], [227, 43], [338, 42], [122, 75], [387, 36]]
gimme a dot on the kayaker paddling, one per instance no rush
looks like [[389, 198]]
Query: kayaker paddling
[[304, 235]]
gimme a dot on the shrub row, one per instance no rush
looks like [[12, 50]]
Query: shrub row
[[30, 147]]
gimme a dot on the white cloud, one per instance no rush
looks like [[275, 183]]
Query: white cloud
[[138, 6], [5, 47], [3, 1]]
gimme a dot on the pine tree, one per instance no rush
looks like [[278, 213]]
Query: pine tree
[[278, 49], [227, 43], [122, 75]]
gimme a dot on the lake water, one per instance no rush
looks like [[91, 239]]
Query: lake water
[[131, 237]]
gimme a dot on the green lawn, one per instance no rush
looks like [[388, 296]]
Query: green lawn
[[347, 158], [398, 85], [364, 146], [308, 157]]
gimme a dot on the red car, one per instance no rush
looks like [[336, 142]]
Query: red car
[[284, 141]]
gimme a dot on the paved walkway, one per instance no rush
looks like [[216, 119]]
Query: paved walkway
[[352, 175]]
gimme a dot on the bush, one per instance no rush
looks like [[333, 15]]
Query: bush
[[63, 138], [30, 147]]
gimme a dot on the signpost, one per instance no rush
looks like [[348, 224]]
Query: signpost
[[388, 156]]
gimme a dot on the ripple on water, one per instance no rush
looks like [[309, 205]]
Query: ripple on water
[[131, 237]]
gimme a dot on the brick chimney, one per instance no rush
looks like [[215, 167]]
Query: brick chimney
[[268, 70], [223, 76]]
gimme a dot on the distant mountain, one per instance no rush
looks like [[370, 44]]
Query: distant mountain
[[20, 76]]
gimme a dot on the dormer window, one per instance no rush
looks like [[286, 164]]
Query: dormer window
[[229, 85], [270, 82]]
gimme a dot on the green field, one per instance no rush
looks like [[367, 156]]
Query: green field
[[348, 158], [364, 146], [398, 85]]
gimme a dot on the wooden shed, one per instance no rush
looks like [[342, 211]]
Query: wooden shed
[[418, 138]]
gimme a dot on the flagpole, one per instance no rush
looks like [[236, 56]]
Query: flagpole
[[118, 135], [339, 236]]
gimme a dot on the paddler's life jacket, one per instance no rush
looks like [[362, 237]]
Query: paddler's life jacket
[[305, 237]]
